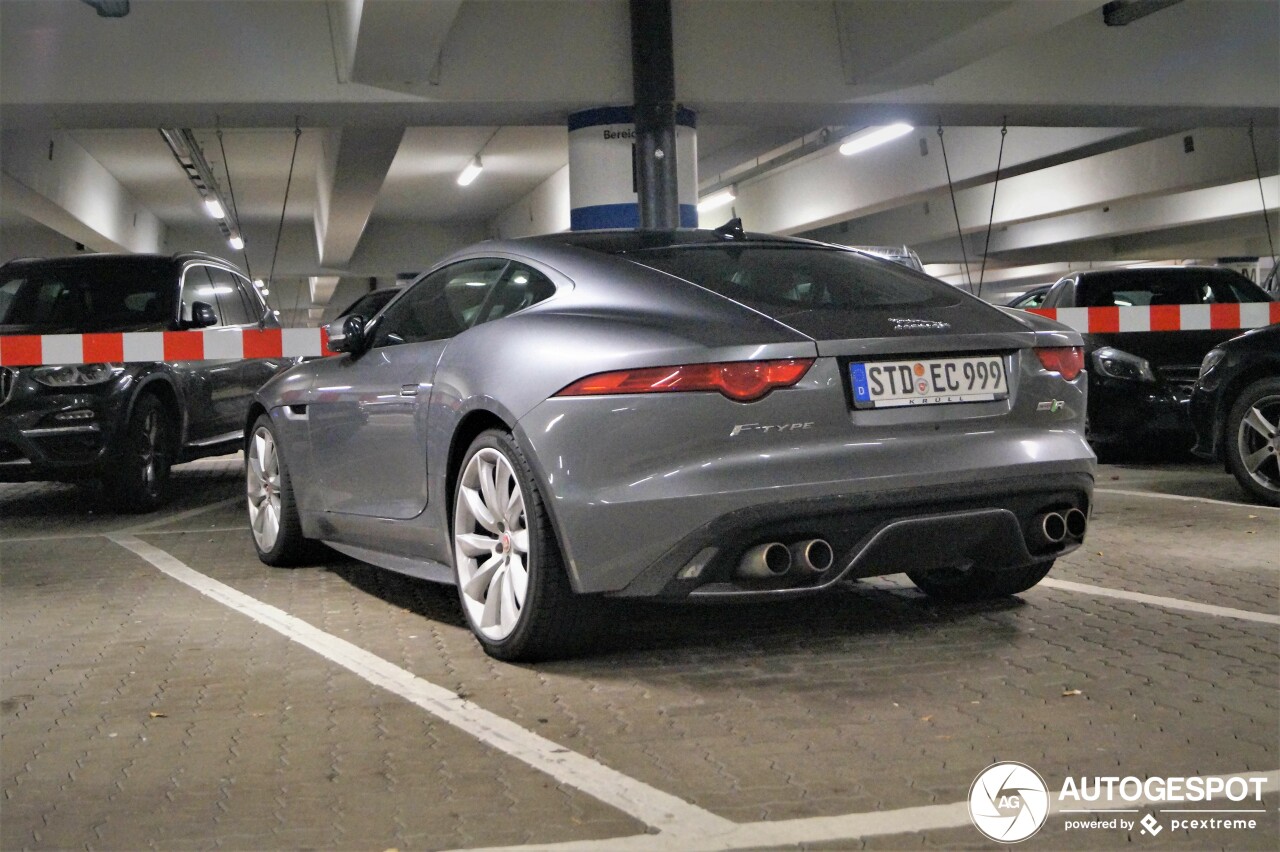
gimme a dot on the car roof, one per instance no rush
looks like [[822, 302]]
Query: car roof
[[623, 240], [92, 259]]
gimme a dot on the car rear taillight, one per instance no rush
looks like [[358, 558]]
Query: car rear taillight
[[742, 381], [1067, 360]]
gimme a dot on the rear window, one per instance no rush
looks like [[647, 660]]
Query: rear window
[[1167, 287], [86, 299], [779, 280]]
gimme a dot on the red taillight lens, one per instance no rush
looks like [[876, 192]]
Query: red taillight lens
[[743, 381], [1067, 360]]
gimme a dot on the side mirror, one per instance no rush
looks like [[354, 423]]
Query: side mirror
[[347, 334], [202, 315]]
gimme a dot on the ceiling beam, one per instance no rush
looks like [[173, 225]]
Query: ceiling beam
[[396, 42], [51, 180], [1151, 168], [354, 165]]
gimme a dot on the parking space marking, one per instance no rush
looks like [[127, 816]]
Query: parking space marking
[[672, 816], [1125, 493], [73, 536], [1155, 600], [790, 832], [182, 516]]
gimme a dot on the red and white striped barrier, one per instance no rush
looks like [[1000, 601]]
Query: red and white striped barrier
[[209, 344], [1164, 317]]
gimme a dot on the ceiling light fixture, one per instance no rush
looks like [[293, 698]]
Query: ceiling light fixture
[[190, 157], [870, 137], [717, 199], [237, 242], [471, 172]]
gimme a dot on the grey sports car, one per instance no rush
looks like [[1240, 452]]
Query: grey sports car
[[684, 415]]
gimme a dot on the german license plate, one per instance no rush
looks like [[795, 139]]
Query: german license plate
[[934, 381]]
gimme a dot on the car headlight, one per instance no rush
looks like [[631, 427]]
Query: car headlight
[[1118, 364], [76, 375], [1211, 360]]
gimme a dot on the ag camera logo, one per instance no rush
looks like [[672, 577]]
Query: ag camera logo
[[1008, 802]]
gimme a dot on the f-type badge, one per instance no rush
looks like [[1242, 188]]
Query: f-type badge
[[1050, 405], [901, 324]]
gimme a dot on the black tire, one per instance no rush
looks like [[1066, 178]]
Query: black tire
[[139, 480], [977, 584], [551, 621], [1250, 440], [274, 525]]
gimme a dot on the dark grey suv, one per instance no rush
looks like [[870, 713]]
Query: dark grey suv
[[125, 424]]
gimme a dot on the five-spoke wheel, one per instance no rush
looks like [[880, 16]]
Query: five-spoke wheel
[[1253, 440]]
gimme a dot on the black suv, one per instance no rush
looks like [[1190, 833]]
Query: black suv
[[124, 423], [1140, 381]]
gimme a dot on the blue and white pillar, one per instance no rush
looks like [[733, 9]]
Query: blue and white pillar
[[602, 177]]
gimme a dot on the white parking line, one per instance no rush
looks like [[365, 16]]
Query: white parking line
[[1158, 496], [673, 816], [790, 832], [182, 516], [1155, 600]]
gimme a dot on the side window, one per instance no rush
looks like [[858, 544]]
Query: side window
[[520, 287], [252, 300], [198, 287], [441, 305], [231, 306]]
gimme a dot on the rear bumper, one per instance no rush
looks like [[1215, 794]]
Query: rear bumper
[[871, 534], [639, 486]]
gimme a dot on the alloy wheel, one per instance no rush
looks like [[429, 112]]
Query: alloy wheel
[[1258, 442], [262, 475], [491, 544]]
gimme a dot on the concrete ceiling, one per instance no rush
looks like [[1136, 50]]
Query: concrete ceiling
[[1123, 142]]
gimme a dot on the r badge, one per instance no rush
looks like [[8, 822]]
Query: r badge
[[1050, 405]]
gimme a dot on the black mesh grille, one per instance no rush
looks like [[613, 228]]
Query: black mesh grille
[[8, 378]]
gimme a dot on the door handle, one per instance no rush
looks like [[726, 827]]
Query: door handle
[[408, 390]]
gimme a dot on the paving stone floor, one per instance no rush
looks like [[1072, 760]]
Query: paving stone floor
[[138, 713]]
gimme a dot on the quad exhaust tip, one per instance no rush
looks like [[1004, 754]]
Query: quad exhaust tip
[[812, 556], [1050, 528], [765, 561], [771, 560]]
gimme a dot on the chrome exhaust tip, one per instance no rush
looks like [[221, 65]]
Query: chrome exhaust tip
[[1052, 527], [1076, 523], [765, 561], [812, 556]]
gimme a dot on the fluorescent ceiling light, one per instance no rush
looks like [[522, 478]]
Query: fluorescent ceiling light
[[214, 208], [471, 172], [716, 199], [870, 137], [237, 242]]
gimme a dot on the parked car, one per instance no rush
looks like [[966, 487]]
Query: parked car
[[1033, 298], [125, 424], [685, 415], [1236, 410], [1140, 381]]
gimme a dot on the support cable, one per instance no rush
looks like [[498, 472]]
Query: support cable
[[1004, 131], [235, 210], [1266, 219], [954, 209], [297, 134]]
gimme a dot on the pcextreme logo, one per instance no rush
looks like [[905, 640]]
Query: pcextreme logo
[[1008, 802]]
